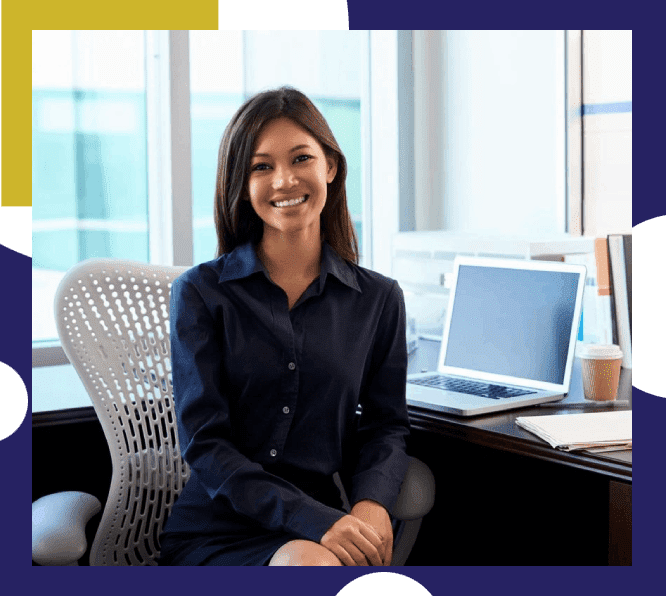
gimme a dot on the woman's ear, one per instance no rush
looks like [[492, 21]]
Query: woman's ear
[[332, 163]]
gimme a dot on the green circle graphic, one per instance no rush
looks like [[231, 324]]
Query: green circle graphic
[[13, 401], [384, 584], [648, 313]]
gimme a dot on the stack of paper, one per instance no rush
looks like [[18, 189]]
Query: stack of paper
[[581, 431]]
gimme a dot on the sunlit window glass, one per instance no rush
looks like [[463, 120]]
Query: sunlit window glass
[[216, 92], [89, 180]]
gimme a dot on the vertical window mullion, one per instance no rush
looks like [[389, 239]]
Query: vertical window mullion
[[169, 148], [561, 134], [385, 146], [366, 155], [158, 119], [574, 134], [181, 148]]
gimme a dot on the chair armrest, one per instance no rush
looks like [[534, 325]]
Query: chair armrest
[[417, 493], [58, 527]]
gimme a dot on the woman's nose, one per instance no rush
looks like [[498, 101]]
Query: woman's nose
[[284, 177]]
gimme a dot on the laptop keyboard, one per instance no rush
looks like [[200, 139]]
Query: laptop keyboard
[[470, 387]]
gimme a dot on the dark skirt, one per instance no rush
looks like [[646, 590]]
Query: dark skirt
[[221, 550], [248, 544]]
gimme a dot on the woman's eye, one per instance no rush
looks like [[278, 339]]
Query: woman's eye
[[260, 167]]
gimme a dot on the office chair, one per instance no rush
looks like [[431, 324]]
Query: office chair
[[113, 323]]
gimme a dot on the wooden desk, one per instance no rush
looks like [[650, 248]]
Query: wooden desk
[[505, 497]]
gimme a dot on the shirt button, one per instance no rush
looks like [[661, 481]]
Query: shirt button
[[292, 366], [285, 410], [273, 452]]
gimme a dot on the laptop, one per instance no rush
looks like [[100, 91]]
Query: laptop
[[509, 337]]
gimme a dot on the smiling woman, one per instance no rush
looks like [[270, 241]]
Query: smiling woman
[[275, 345], [277, 147], [288, 181], [278, 162]]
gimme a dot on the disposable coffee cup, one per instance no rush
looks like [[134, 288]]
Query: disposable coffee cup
[[601, 366]]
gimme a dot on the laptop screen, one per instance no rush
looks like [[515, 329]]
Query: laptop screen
[[514, 322]]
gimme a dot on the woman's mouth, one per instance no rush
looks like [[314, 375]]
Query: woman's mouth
[[290, 202]]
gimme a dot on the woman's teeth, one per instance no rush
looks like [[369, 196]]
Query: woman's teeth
[[290, 202]]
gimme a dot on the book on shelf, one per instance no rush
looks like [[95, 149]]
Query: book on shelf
[[620, 269], [627, 265], [605, 305], [627, 259]]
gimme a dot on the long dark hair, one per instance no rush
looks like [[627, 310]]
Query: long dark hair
[[235, 219]]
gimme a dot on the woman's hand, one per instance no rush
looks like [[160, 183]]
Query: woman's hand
[[376, 516], [354, 542]]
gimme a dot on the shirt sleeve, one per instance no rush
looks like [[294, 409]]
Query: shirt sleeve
[[382, 460], [204, 429]]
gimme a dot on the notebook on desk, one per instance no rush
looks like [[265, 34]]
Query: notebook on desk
[[509, 337]]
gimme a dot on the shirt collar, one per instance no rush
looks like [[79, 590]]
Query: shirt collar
[[333, 263], [243, 262]]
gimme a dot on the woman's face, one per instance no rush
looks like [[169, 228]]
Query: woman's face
[[288, 177]]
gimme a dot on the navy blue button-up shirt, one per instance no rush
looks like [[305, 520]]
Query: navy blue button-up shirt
[[260, 388]]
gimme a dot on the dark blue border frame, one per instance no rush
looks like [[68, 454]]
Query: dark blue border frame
[[650, 411]]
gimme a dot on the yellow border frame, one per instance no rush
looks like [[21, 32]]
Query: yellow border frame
[[70, 14]]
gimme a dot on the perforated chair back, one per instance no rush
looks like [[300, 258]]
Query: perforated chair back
[[113, 322]]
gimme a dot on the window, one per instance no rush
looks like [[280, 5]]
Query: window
[[88, 156], [106, 181], [496, 144]]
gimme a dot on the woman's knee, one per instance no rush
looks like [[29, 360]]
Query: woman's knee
[[304, 553]]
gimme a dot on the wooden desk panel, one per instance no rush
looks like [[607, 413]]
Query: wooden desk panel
[[493, 507], [619, 524], [505, 497]]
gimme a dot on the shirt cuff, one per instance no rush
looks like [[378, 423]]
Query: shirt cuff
[[312, 522], [376, 487]]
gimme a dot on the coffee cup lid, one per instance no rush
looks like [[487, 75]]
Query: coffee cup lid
[[598, 351]]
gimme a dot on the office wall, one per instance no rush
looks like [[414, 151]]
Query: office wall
[[499, 99], [494, 161], [607, 125]]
